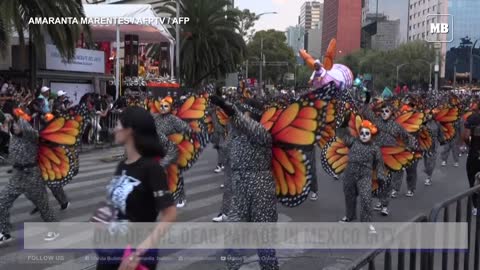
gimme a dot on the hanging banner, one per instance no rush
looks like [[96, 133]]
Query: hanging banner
[[84, 60], [75, 91]]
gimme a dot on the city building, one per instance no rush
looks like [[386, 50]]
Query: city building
[[386, 34], [393, 10], [311, 13], [341, 20], [295, 38], [314, 42], [464, 12]]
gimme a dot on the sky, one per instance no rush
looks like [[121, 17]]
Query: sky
[[288, 12]]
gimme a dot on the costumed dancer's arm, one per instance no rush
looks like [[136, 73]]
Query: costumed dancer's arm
[[344, 134], [27, 131], [181, 126], [171, 151], [254, 130]]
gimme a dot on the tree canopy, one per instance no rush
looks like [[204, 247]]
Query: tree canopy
[[15, 15], [275, 49], [414, 56], [211, 43]]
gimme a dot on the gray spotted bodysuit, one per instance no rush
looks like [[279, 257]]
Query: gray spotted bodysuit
[[26, 178], [388, 132], [168, 124], [430, 159], [254, 198], [363, 159]]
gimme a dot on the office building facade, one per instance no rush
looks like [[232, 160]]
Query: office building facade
[[311, 13], [342, 20]]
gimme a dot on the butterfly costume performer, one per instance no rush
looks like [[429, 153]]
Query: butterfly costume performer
[[48, 156], [182, 131], [365, 160], [396, 141], [266, 158]]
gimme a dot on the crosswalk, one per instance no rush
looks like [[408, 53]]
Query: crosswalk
[[87, 191], [204, 197]]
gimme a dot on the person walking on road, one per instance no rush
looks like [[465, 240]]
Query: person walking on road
[[471, 137]]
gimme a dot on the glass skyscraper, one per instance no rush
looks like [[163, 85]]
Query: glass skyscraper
[[466, 15]]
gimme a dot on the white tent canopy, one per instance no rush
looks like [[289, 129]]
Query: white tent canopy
[[148, 33]]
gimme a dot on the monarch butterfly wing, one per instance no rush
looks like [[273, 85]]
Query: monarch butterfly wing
[[174, 180], [292, 173], [300, 123], [447, 115], [335, 157], [209, 123], [221, 116], [188, 150], [425, 140], [326, 134], [330, 54], [397, 157], [192, 108], [63, 130], [58, 164], [448, 130], [411, 121], [354, 124]]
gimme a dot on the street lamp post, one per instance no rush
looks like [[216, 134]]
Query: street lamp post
[[177, 37], [430, 72], [471, 61], [262, 57]]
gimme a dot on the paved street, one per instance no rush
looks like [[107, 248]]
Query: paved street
[[204, 198]]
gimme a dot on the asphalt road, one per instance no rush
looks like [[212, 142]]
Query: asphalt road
[[204, 195]]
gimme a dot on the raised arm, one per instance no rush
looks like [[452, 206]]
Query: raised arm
[[27, 131], [253, 129]]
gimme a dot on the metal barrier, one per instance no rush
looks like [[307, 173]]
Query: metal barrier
[[441, 213], [372, 259]]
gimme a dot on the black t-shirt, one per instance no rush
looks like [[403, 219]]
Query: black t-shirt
[[139, 191], [473, 124]]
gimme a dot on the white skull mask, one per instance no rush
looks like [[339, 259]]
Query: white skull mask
[[386, 113], [365, 135]]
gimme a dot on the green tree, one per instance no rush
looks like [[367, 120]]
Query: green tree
[[275, 49], [211, 43], [15, 15], [247, 21], [383, 64]]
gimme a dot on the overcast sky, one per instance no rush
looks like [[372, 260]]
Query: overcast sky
[[289, 10]]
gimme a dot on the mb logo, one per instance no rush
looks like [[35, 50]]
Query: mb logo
[[439, 28]]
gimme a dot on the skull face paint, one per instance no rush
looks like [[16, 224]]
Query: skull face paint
[[365, 135], [165, 107], [386, 113]]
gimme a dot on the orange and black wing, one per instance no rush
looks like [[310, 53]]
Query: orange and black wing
[[425, 140], [335, 157], [174, 179], [411, 121], [398, 157], [193, 108], [292, 173], [58, 164], [65, 130]]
